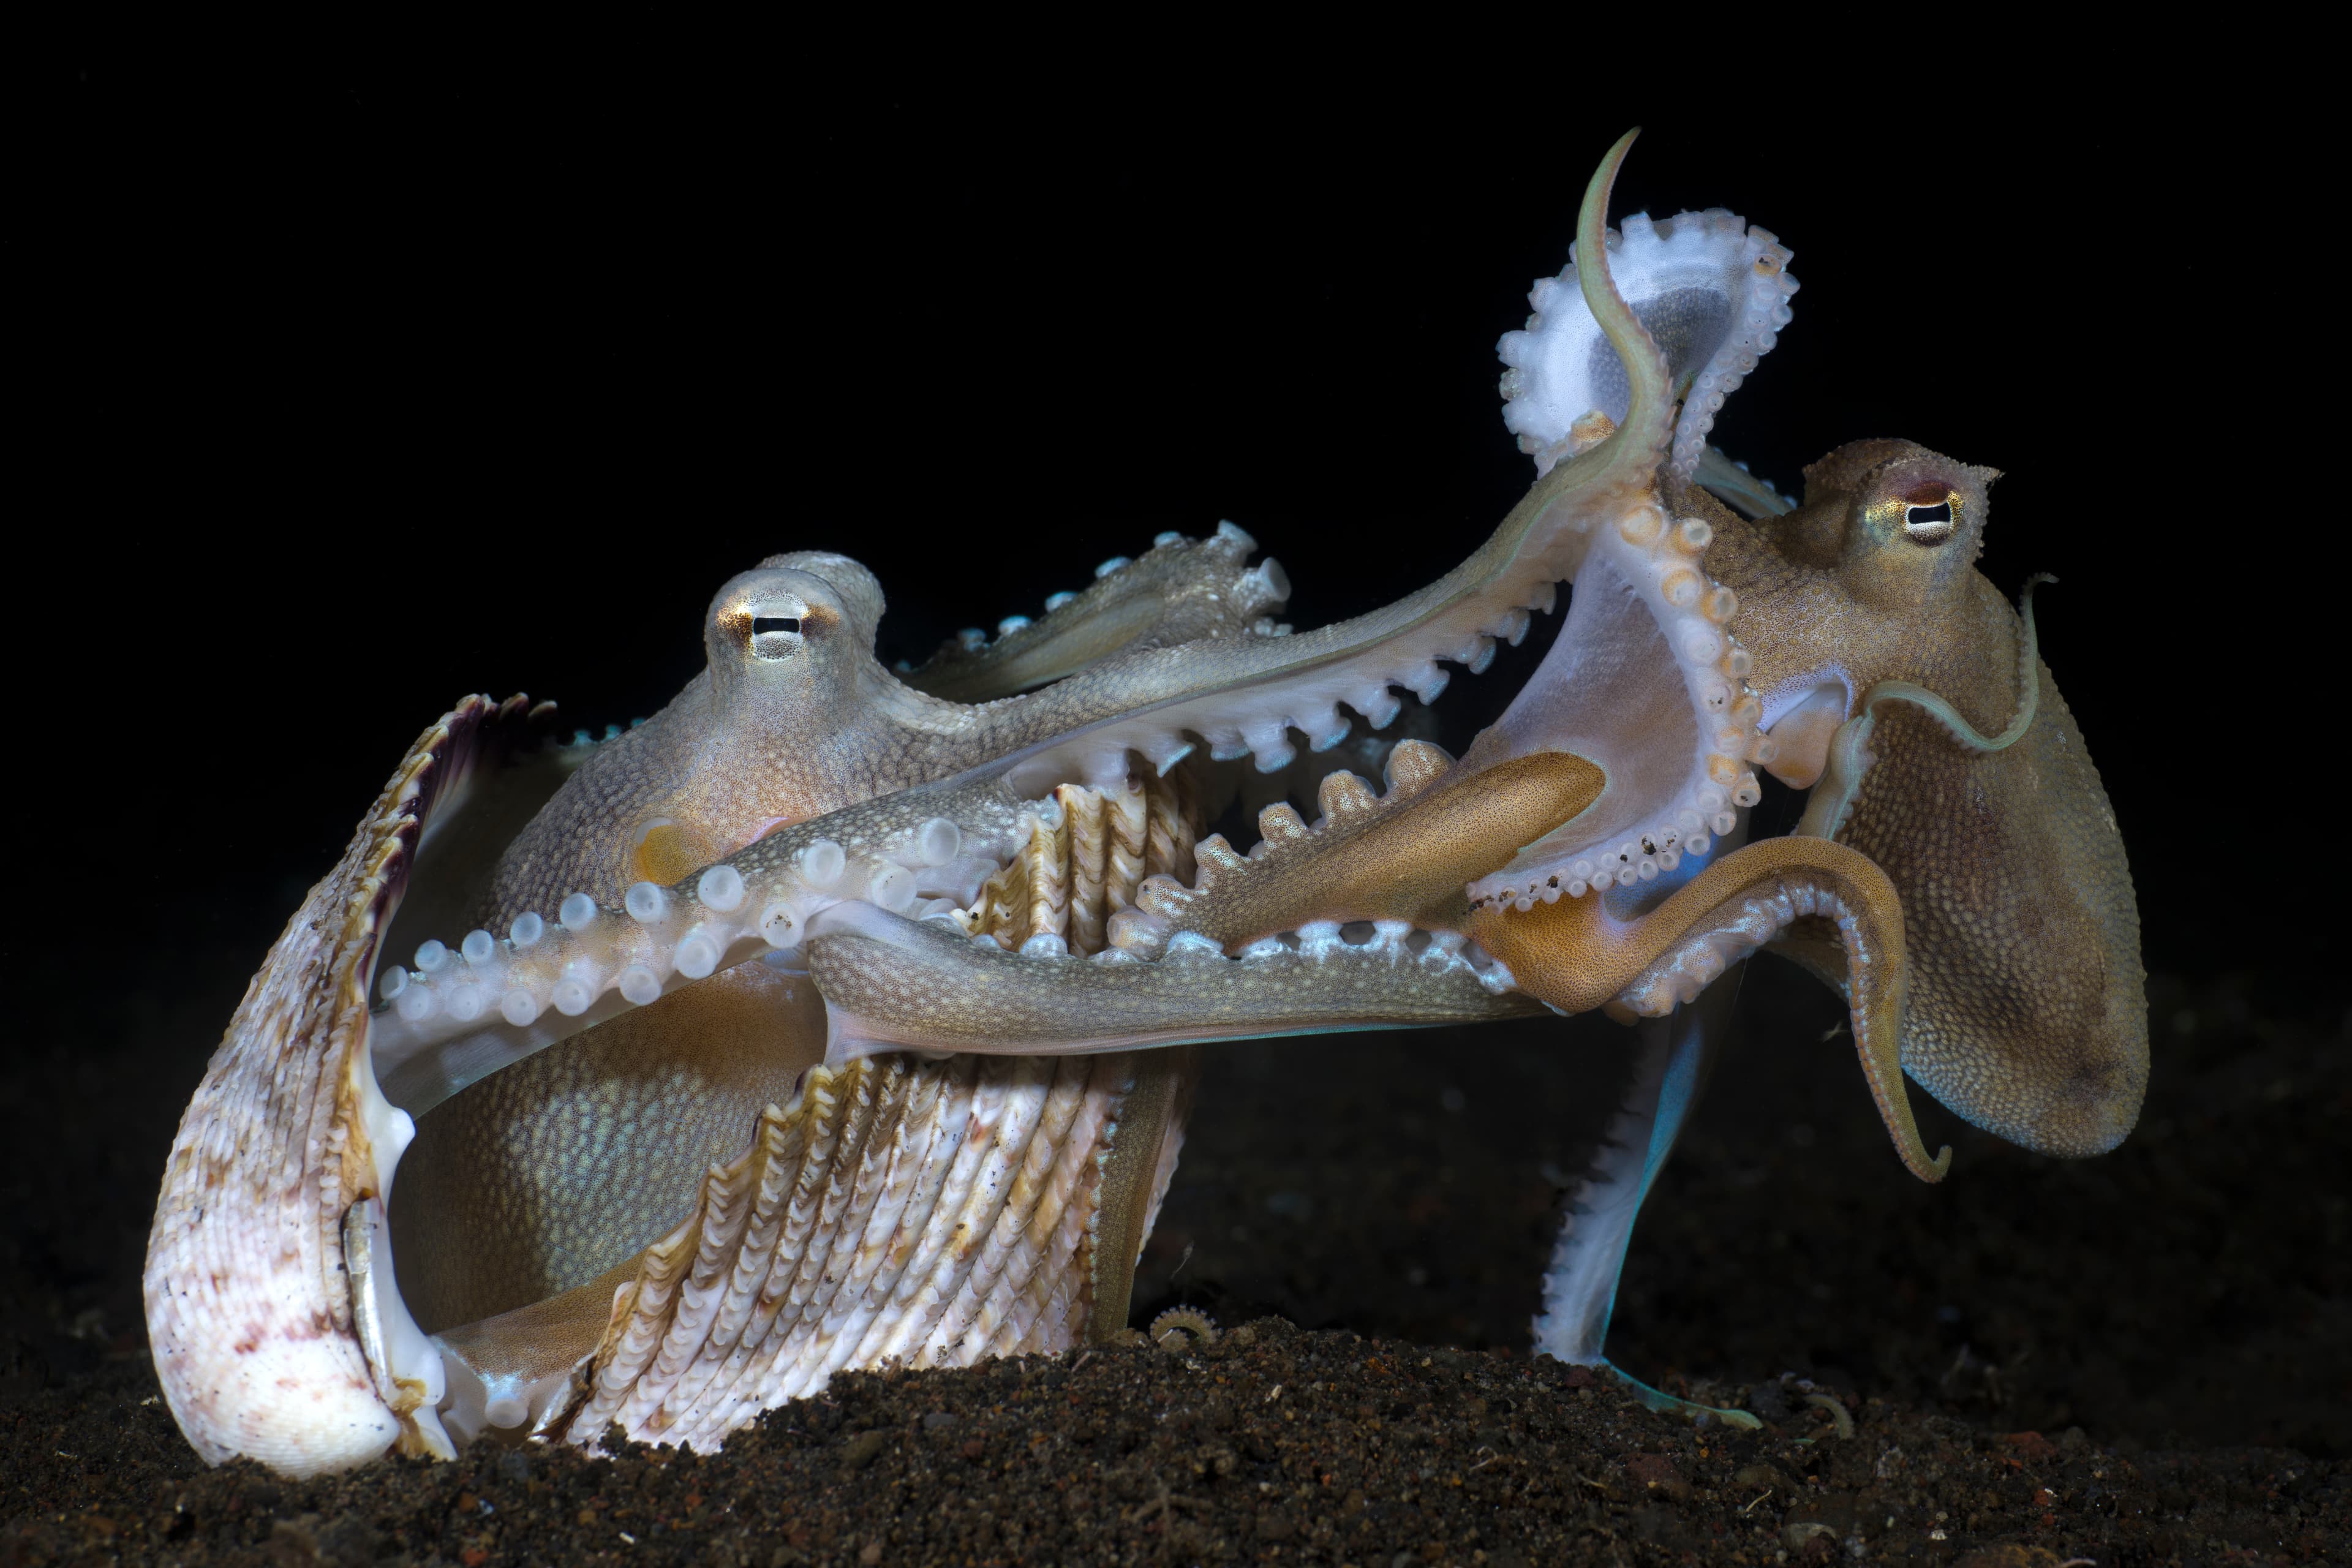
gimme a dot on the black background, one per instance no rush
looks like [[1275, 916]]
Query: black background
[[347, 389], [353, 390]]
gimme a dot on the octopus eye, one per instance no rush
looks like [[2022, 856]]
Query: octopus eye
[[775, 636], [1928, 524]]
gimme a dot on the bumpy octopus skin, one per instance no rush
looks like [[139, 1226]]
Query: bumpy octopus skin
[[522, 1166], [519, 1165], [520, 1169], [790, 651], [2027, 1011], [993, 858]]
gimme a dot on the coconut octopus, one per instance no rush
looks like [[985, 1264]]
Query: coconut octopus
[[837, 1015]]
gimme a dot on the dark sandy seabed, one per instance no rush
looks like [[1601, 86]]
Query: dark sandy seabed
[[2136, 1359]]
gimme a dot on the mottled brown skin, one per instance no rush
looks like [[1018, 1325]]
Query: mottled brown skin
[[1837, 591], [2027, 1011]]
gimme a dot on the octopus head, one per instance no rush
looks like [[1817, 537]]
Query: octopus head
[[794, 633], [1935, 741], [1905, 525]]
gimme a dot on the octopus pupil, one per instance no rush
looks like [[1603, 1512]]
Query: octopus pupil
[[775, 624], [1920, 516]]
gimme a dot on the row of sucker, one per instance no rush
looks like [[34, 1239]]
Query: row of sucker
[[1662, 560], [1245, 699], [1180, 590], [892, 984], [1093, 883], [1268, 724], [1730, 933], [1713, 292], [1048, 872], [463, 1011], [1875, 974], [931, 1214]]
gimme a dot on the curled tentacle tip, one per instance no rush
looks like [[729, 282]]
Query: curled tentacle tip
[[1913, 1152]]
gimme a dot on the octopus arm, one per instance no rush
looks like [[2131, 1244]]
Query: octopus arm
[[1404, 856], [1577, 953], [1645, 682], [1180, 591], [893, 985], [1729, 481], [1246, 695]]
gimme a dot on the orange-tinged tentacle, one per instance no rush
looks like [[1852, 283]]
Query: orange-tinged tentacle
[[1576, 955], [1404, 856]]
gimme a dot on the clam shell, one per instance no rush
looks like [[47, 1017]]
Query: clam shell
[[898, 1210], [250, 1305], [926, 1213]]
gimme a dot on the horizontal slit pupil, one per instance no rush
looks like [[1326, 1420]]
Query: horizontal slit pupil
[[1940, 512], [775, 624]]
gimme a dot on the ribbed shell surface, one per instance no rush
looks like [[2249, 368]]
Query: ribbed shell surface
[[931, 1214]]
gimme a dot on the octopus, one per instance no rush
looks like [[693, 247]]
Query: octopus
[[840, 1016]]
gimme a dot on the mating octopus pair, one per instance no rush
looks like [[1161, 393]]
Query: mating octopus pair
[[834, 1016]]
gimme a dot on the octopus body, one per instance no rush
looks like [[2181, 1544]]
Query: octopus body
[[839, 1014]]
